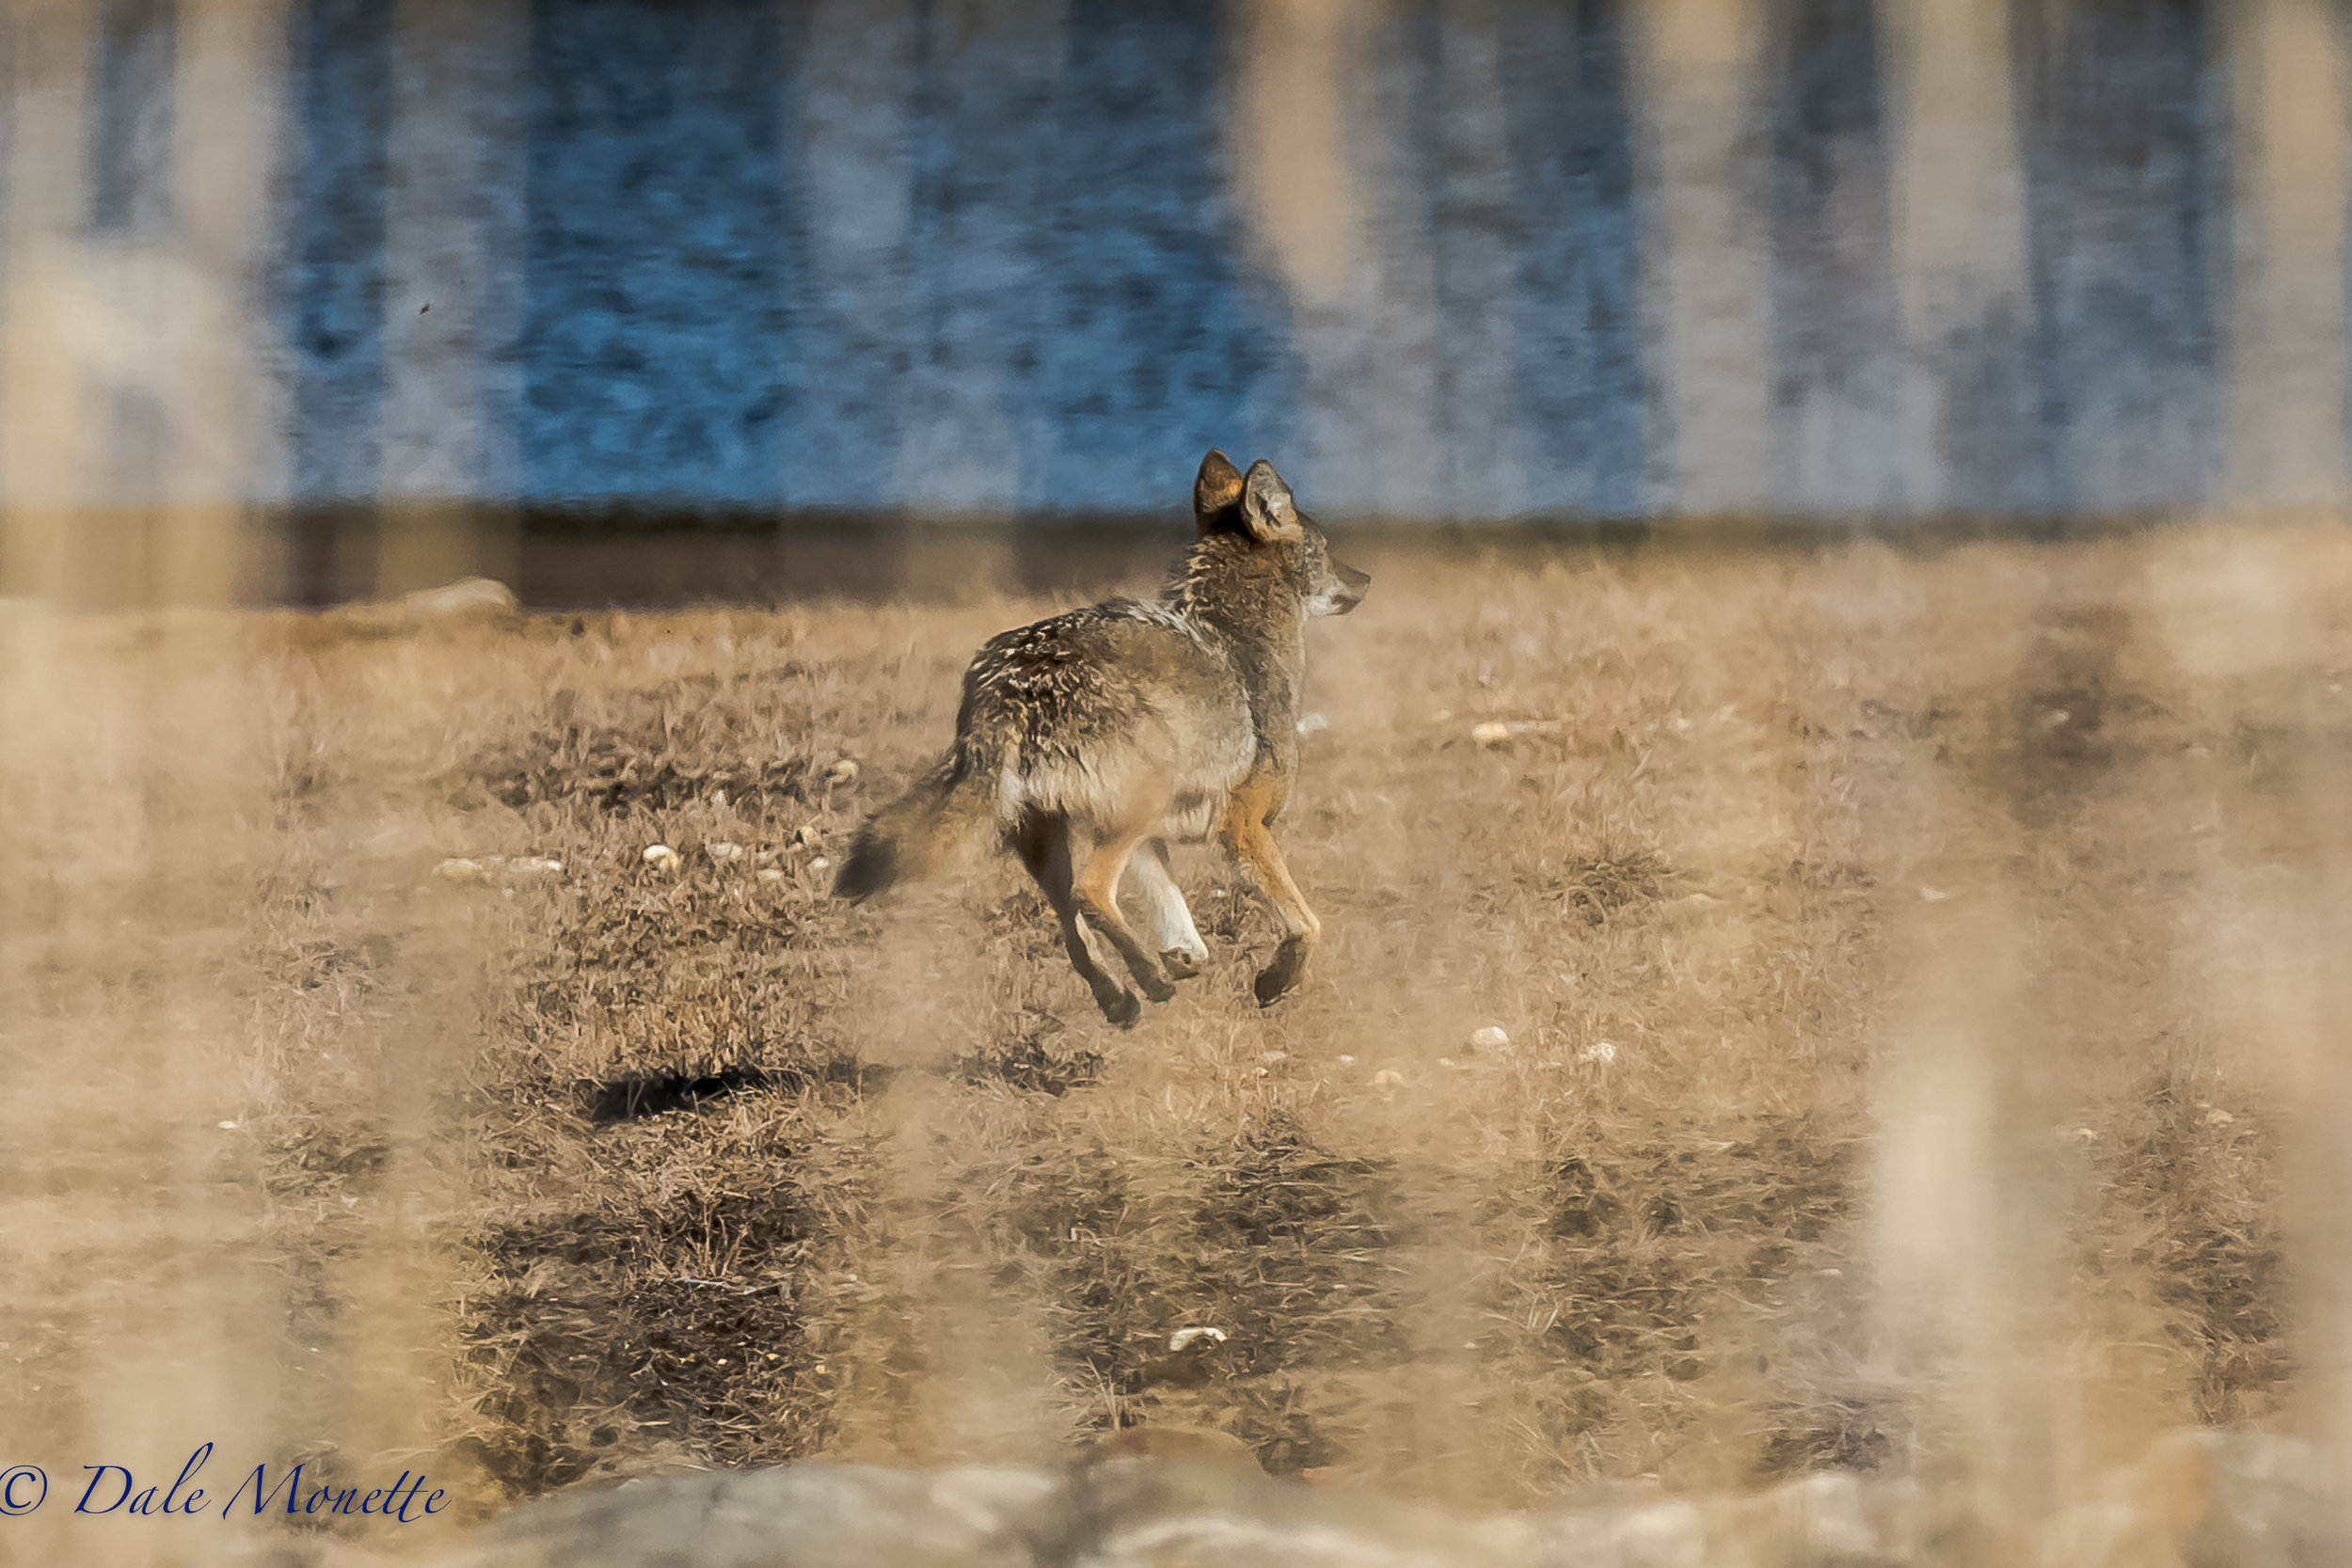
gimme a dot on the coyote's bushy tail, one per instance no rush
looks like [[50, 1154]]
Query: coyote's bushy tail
[[920, 832]]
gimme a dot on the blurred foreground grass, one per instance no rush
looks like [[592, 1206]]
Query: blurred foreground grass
[[1912, 968]]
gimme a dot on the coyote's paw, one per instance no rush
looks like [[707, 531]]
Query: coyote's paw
[[1276, 979], [1122, 1008]]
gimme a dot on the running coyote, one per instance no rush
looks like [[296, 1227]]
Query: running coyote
[[1093, 735]]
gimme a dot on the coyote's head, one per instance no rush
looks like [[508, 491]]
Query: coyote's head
[[1258, 507]]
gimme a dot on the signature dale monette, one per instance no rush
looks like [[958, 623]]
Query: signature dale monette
[[115, 1489]]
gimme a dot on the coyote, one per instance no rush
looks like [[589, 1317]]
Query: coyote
[[1094, 734]]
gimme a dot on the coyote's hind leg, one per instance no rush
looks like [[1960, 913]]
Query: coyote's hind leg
[[1096, 888], [1168, 922], [1043, 843]]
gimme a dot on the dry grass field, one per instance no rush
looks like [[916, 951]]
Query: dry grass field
[[1912, 966]]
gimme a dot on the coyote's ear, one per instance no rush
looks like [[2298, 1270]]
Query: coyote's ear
[[1266, 508], [1216, 486]]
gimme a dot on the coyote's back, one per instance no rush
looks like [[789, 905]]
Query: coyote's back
[[1091, 735]]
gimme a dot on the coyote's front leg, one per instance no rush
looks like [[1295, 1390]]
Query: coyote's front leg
[[1243, 826], [1168, 920]]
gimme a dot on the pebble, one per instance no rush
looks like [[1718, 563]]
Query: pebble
[[722, 850], [1489, 1039], [485, 867], [466, 596], [660, 856], [842, 773], [1496, 732]]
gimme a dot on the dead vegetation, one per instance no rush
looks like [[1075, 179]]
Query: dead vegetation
[[698, 1167]]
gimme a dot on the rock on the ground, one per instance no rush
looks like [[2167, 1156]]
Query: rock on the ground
[[467, 596], [2196, 1500]]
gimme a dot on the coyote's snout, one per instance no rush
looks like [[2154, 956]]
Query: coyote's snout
[[1085, 741]]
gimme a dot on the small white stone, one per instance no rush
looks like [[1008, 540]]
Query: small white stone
[[226, 1126], [805, 836], [1347, 1061], [764, 857], [842, 773], [1490, 1038], [2056, 719], [720, 850], [1387, 1079], [770, 874], [1445, 1061], [1270, 1058], [1184, 1338], [1600, 1051], [660, 856], [534, 866], [456, 870], [457, 598], [820, 863], [1491, 733], [1313, 723]]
